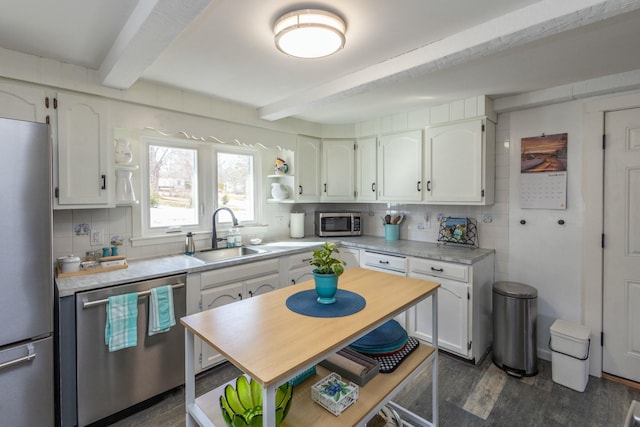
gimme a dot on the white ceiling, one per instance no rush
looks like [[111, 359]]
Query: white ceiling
[[400, 55]]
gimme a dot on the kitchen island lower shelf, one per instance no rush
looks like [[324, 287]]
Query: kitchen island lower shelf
[[372, 397]]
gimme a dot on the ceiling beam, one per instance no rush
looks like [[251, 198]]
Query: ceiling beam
[[151, 28], [539, 20]]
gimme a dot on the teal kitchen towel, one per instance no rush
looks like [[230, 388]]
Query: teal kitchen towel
[[121, 330], [161, 315]]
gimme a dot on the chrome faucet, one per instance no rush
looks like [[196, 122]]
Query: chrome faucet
[[214, 234]]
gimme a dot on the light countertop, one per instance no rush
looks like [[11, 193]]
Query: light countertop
[[149, 268]]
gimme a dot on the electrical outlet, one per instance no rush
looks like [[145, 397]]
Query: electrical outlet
[[97, 237], [427, 220]]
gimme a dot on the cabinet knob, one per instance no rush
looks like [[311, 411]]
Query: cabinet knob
[[523, 222], [561, 221]]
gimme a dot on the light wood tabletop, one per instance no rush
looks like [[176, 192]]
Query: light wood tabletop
[[270, 343]]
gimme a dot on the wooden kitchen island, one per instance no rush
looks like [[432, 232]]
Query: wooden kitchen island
[[272, 344]]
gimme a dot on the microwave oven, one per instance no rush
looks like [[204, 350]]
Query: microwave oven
[[343, 223]]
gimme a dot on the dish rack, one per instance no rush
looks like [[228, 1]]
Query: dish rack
[[468, 238]]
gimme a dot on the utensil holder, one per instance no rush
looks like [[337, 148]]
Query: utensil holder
[[392, 231]]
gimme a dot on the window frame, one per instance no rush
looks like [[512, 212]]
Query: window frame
[[207, 187]]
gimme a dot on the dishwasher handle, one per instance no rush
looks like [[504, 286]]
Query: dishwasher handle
[[89, 304]]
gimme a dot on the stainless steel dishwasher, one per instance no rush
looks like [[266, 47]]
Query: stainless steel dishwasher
[[108, 382]]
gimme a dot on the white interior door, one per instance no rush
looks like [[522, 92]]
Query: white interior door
[[621, 298]]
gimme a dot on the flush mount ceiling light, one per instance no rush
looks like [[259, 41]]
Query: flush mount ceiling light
[[309, 33]]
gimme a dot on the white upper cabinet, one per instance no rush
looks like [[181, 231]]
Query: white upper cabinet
[[338, 175], [84, 174], [366, 169], [23, 103], [400, 167], [307, 169], [460, 163]]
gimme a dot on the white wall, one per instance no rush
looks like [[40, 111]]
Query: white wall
[[543, 253]]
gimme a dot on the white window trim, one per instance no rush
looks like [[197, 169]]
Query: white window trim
[[142, 235]]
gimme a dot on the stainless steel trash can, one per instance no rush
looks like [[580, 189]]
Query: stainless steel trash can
[[514, 328]]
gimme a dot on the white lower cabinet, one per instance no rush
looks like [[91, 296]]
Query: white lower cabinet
[[262, 285], [453, 316], [387, 263], [298, 268], [350, 256], [210, 298], [464, 306], [226, 285]]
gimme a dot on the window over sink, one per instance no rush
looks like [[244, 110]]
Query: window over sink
[[184, 181]]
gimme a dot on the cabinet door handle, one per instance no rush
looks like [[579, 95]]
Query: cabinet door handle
[[240, 295], [299, 189], [325, 187], [251, 294], [428, 185], [104, 182], [293, 281], [382, 262], [305, 260], [439, 270], [373, 187], [418, 185]]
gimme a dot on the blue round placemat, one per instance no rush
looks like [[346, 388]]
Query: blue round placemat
[[305, 302]]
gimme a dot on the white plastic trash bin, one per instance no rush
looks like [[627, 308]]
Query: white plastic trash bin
[[569, 344]]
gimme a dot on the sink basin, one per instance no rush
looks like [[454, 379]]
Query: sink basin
[[293, 244], [212, 255]]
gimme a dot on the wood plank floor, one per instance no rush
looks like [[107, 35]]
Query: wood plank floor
[[469, 396]]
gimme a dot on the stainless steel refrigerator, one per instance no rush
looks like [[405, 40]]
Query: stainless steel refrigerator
[[26, 275]]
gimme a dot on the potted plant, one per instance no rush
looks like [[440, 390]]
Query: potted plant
[[328, 269]]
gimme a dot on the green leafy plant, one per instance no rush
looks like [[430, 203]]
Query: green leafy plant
[[324, 261]]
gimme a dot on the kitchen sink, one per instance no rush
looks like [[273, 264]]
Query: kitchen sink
[[212, 255]]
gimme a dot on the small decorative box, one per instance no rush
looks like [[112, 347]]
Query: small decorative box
[[333, 394]]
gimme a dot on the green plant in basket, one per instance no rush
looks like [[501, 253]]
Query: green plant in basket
[[242, 406], [324, 261]]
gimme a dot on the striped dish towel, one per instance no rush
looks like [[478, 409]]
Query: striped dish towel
[[121, 330], [161, 315]]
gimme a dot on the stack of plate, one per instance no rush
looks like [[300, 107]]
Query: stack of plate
[[387, 338], [389, 344]]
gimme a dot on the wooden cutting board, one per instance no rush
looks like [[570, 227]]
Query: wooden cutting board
[[60, 274]]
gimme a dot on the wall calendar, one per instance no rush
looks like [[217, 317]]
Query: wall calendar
[[543, 172]]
